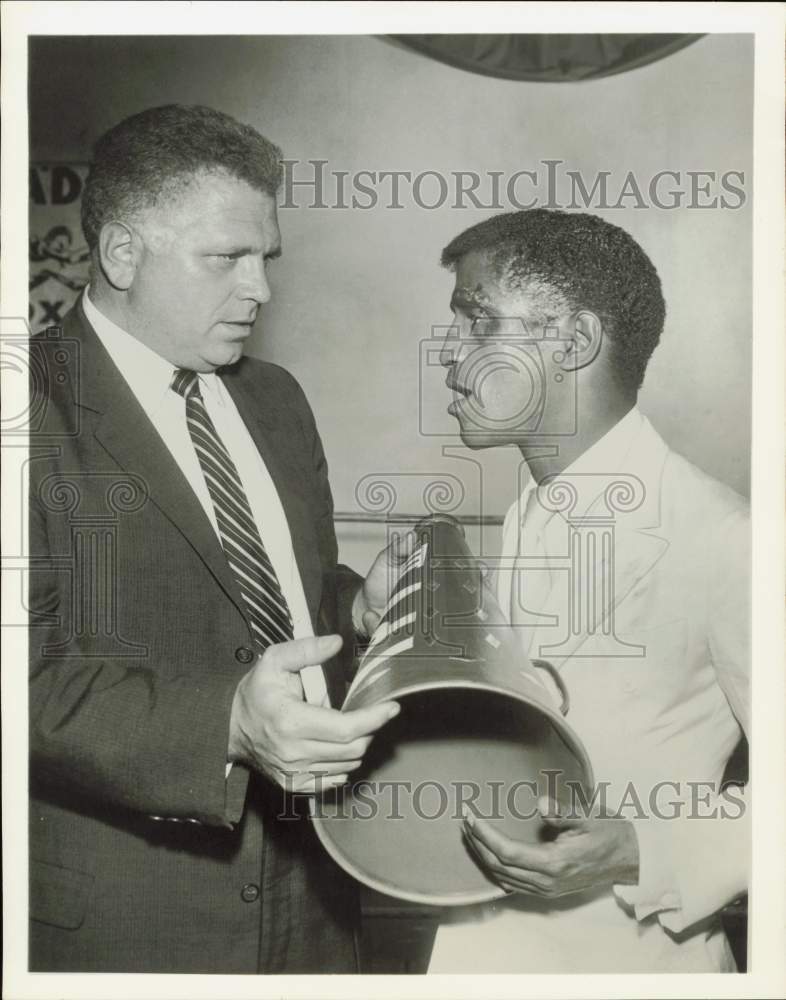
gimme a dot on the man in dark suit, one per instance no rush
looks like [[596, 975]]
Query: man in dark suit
[[187, 608]]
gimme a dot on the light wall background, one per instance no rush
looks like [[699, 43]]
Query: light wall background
[[357, 291]]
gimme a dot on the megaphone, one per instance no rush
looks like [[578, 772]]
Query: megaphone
[[478, 730]]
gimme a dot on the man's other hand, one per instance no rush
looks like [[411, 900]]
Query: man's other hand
[[586, 852], [371, 599], [302, 747]]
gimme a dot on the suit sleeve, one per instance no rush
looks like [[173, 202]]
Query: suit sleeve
[[690, 868], [109, 729]]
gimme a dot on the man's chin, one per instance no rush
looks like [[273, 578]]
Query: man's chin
[[479, 439], [224, 356]]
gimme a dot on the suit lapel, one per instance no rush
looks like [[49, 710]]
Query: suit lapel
[[608, 571], [126, 433]]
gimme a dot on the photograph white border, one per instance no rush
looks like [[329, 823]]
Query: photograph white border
[[767, 901]]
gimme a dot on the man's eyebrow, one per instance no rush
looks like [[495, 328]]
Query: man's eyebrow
[[244, 251], [464, 297], [477, 298]]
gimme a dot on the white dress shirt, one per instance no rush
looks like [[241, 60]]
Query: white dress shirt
[[149, 376]]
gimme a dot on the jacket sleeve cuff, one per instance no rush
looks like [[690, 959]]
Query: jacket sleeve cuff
[[236, 786], [200, 783], [656, 890], [691, 867]]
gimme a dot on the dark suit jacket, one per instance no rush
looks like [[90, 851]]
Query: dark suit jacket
[[138, 639]]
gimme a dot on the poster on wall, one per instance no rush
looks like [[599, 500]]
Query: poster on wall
[[59, 256]]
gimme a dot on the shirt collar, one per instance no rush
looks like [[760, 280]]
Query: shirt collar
[[608, 452], [148, 374], [605, 456]]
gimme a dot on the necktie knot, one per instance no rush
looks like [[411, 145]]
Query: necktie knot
[[185, 382]]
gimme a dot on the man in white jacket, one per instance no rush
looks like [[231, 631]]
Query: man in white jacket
[[628, 569]]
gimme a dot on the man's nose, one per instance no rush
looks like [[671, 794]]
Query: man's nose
[[253, 280], [450, 346]]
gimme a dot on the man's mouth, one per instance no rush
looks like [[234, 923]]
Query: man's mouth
[[458, 389], [460, 393], [243, 326]]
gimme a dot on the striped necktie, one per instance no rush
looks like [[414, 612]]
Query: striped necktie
[[266, 606]]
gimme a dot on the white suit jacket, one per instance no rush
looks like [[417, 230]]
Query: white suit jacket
[[657, 667]]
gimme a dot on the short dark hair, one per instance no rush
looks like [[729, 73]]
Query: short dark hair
[[136, 160], [589, 262]]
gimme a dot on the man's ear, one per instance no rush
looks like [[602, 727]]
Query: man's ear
[[119, 251], [584, 337]]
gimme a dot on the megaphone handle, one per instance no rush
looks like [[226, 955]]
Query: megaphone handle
[[557, 678]]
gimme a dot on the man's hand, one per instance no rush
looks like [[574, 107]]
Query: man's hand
[[586, 852], [302, 747], [375, 593]]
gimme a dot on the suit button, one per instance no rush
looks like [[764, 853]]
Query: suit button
[[244, 655], [249, 893]]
